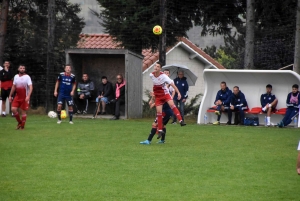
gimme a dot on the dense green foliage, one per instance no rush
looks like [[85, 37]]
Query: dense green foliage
[[103, 160]]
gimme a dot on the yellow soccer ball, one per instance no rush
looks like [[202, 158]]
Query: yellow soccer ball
[[63, 114], [157, 30]]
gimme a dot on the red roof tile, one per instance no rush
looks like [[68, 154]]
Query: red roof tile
[[105, 41]]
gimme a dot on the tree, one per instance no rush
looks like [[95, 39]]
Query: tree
[[249, 45], [131, 21], [3, 27], [27, 41], [297, 42]]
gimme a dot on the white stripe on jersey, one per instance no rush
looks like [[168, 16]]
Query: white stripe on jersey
[[159, 83]]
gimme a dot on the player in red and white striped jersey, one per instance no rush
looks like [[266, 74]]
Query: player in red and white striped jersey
[[162, 95], [22, 85]]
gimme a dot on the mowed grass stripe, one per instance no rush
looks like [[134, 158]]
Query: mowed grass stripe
[[103, 160]]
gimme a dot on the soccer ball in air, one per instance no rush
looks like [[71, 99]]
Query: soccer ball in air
[[63, 114], [52, 114], [157, 30]]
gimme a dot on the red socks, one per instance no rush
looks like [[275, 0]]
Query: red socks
[[176, 112], [159, 121], [17, 116]]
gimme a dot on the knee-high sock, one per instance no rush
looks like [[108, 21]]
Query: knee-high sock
[[58, 115], [152, 133], [17, 116], [159, 121], [71, 114], [176, 112], [24, 116], [163, 136]]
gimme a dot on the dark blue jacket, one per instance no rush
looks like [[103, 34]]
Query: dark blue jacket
[[224, 96], [266, 99], [182, 86], [288, 102], [238, 100]]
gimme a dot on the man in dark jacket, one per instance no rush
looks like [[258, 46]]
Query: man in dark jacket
[[6, 83], [183, 87], [222, 101], [119, 96], [84, 91], [105, 93], [238, 104], [292, 104]]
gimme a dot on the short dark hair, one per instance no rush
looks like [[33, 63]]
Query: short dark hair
[[236, 87], [295, 86], [167, 70], [269, 86], [160, 63], [223, 82], [22, 65], [7, 61], [103, 77], [68, 65]]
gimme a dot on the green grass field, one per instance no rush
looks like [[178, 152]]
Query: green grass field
[[103, 160]]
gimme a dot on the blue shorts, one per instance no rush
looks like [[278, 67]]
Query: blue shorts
[[104, 99], [61, 99]]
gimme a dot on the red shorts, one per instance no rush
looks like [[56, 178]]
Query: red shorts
[[162, 99], [20, 103]]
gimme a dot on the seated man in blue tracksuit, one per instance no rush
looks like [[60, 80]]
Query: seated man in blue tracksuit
[[238, 104], [222, 101], [292, 103]]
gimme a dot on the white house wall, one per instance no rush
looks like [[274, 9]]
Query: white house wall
[[179, 56]]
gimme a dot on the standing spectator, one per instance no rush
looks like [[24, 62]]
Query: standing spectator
[[105, 93], [162, 95], [66, 84], [238, 104], [183, 87], [222, 101], [268, 103], [119, 96], [85, 89], [6, 83], [22, 85], [292, 103]]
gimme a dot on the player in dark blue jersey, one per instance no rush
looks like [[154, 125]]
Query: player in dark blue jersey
[[66, 84], [268, 103]]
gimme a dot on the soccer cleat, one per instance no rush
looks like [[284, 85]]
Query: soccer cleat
[[182, 123], [145, 142], [161, 142], [280, 124], [84, 112], [71, 122], [19, 126], [216, 123], [59, 121], [217, 112], [160, 133], [174, 122], [228, 123]]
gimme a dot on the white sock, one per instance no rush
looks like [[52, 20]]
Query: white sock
[[4, 113], [268, 120], [264, 108]]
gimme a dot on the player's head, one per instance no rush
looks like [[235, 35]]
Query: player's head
[[157, 67], [68, 68], [104, 79], [223, 85], [180, 74], [167, 72], [85, 77], [269, 88], [119, 78], [22, 68], [295, 88], [6, 64], [236, 90]]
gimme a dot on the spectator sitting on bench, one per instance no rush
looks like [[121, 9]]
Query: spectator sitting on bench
[[119, 96], [238, 104], [268, 103], [84, 91], [292, 103], [105, 93], [222, 101]]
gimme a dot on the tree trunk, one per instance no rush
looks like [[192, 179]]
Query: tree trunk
[[249, 43], [163, 36], [3, 27], [297, 42], [50, 56]]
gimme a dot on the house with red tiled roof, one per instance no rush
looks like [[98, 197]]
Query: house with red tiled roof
[[184, 53]]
